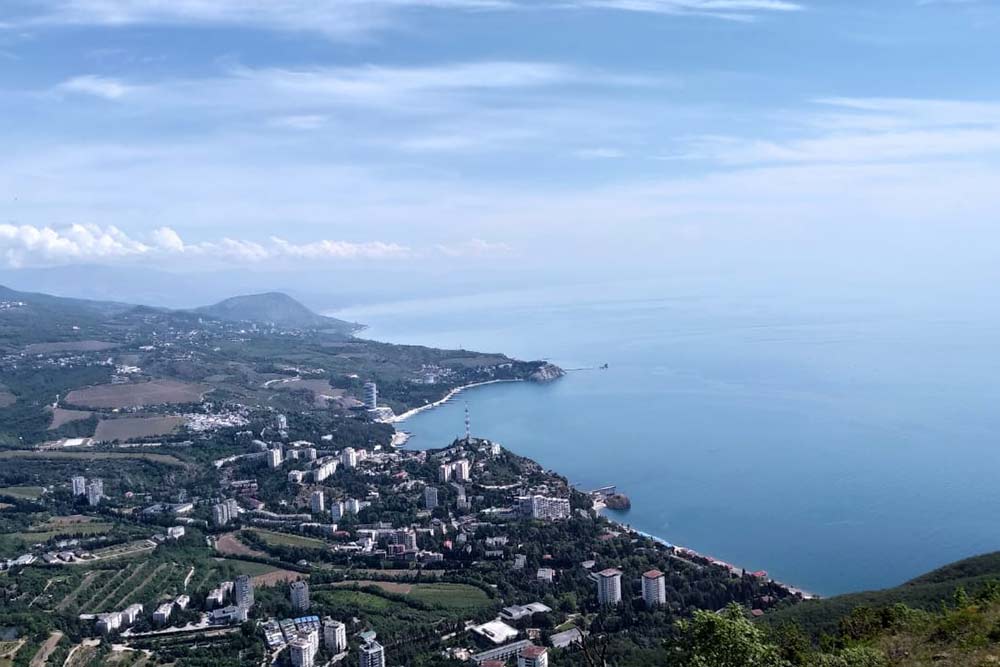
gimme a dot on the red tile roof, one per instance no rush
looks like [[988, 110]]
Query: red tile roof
[[652, 574], [610, 572], [533, 651]]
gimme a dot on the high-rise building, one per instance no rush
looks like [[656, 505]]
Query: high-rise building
[[79, 485], [533, 656], [224, 512], [316, 502], [462, 470], [430, 497], [337, 510], [281, 422], [371, 395], [609, 586], [654, 588], [349, 457], [543, 507], [301, 652], [244, 591], [300, 595], [371, 655], [334, 636], [445, 472], [95, 491], [274, 458]]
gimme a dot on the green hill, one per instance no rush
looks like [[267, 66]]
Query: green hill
[[274, 308], [927, 592]]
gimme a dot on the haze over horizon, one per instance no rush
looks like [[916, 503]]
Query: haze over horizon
[[509, 142]]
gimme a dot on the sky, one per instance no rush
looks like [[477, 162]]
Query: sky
[[426, 141]]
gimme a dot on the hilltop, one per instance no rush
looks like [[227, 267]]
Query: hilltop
[[274, 308]]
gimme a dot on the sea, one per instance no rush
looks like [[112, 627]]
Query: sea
[[842, 441]]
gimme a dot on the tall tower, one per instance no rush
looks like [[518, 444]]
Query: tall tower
[[468, 425]]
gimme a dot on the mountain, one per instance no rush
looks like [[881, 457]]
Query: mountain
[[274, 308], [50, 302]]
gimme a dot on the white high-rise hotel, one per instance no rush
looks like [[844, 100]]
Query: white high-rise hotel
[[654, 588], [371, 395], [609, 586]]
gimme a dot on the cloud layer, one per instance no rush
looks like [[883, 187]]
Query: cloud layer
[[30, 246]]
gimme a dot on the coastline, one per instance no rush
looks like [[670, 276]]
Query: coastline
[[401, 437], [450, 395], [691, 556]]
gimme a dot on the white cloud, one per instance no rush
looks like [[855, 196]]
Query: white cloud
[[348, 19], [300, 122], [30, 246], [98, 86], [600, 153]]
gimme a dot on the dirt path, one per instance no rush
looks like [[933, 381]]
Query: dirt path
[[46, 649], [71, 598]]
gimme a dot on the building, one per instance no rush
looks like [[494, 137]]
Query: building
[[303, 648], [281, 422], [131, 614], [108, 623], [79, 485], [301, 653], [244, 591], [95, 491], [533, 656], [224, 512], [462, 470], [349, 457], [300, 595], [654, 588], [444, 472], [430, 497], [316, 502], [274, 458], [162, 613], [546, 574], [371, 395], [175, 532], [543, 507], [334, 636], [371, 655], [183, 601], [324, 470], [337, 510], [609, 586]]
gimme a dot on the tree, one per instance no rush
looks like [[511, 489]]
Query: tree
[[726, 639]]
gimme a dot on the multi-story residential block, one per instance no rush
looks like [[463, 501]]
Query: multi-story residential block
[[300, 595], [543, 507], [430, 497], [654, 588], [334, 636], [371, 654], [609, 586], [79, 485], [533, 656]]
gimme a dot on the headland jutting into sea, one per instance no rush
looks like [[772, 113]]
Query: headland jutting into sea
[[600, 500]]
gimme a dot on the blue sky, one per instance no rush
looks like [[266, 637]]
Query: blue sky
[[617, 135]]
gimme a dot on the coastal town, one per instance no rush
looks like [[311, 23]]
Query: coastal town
[[262, 526]]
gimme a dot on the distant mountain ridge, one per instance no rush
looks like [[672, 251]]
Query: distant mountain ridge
[[274, 307], [267, 308]]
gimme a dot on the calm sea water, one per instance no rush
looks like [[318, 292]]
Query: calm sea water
[[838, 443]]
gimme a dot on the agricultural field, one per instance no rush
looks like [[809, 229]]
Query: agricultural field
[[165, 459], [127, 428], [444, 595], [229, 544], [22, 492], [154, 392], [62, 416], [69, 346], [287, 539]]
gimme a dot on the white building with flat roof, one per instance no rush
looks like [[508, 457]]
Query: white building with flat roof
[[79, 485], [609, 586], [334, 636], [299, 591], [654, 588]]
